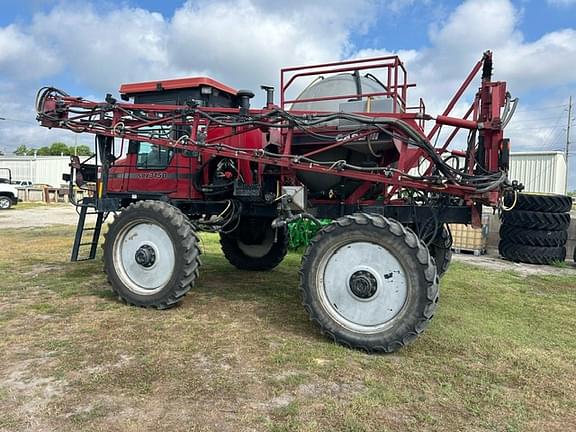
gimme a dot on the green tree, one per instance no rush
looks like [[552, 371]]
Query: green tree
[[81, 150], [59, 148], [22, 150], [55, 149], [43, 151]]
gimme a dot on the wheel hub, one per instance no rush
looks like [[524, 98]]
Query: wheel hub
[[145, 256], [363, 284]]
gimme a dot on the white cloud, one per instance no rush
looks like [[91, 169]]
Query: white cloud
[[247, 45], [457, 44], [22, 57], [547, 62], [536, 66], [102, 50], [243, 42]]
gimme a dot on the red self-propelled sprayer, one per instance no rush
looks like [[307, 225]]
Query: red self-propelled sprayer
[[185, 155]]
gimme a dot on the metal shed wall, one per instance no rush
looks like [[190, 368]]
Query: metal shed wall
[[39, 169], [543, 172], [539, 171]]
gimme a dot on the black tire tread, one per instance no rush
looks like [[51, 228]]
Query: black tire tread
[[530, 237], [188, 240], [531, 254], [428, 268], [536, 220], [547, 203], [272, 259], [441, 250]]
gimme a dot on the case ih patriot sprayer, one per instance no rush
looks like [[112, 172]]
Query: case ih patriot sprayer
[[191, 154]]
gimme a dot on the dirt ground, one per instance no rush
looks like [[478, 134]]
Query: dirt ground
[[41, 216], [64, 214], [494, 262]]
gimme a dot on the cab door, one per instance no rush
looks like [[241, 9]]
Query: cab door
[[156, 170]]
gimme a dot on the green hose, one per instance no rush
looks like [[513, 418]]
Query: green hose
[[302, 231]]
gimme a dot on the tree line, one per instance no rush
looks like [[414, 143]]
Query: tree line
[[55, 149]]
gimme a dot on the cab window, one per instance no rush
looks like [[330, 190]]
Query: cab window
[[152, 156]]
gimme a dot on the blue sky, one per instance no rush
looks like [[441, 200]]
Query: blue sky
[[90, 48]]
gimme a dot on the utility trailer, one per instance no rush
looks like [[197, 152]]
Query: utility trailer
[[186, 155]]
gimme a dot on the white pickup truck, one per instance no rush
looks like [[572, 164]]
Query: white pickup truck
[[8, 192]]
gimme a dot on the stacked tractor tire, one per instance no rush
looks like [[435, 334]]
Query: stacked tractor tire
[[535, 228]]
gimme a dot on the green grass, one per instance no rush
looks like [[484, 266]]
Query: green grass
[[241, 354]]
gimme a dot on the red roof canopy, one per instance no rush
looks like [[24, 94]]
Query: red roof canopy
[[170, 84]]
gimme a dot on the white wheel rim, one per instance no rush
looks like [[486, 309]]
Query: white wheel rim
[[138, 238], [362, 286], [4, 203]]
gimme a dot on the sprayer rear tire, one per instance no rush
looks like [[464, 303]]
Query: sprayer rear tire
[[264, 255], [536, 220], [369, 283], [529, 237], [441, 250], [168, 272], [550, 203]]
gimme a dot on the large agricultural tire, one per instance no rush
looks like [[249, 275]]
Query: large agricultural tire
[[531, 254], [536, 220], [441, 250], [5, 203], [255, 245], [549, 203], [529, 237], [151, 255], [369, 283]]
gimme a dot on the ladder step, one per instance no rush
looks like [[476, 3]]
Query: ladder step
[[81, 229]]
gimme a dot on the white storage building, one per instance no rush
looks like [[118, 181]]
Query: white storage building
[[39, 170], [543, 172], [539, 171]]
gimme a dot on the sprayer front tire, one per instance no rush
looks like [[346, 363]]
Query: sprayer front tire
[[151, 255], [369, 283], [255, 245]]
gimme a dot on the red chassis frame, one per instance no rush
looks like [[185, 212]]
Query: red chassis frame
[[246, 142]]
